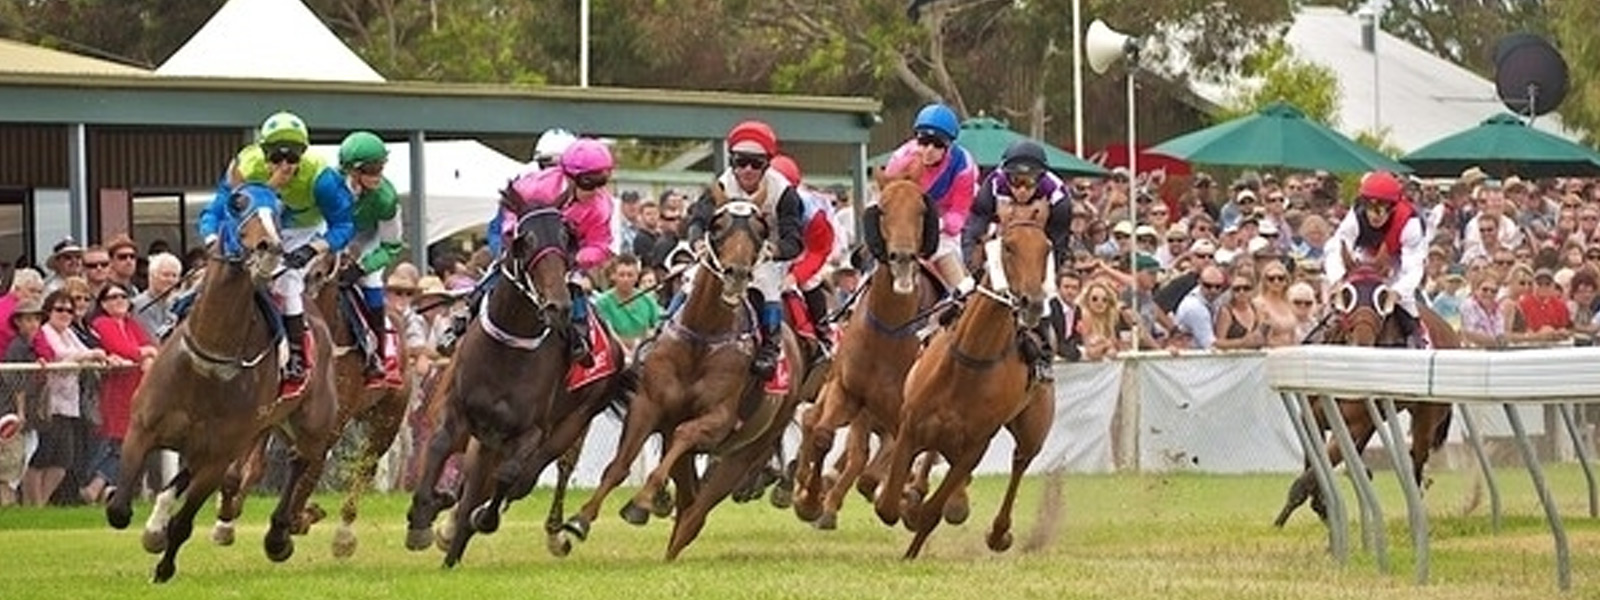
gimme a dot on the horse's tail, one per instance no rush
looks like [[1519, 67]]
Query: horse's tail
[[1442, 430], [627, 384]]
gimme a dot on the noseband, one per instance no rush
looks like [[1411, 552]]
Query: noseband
[[519, 272], [743, 216]]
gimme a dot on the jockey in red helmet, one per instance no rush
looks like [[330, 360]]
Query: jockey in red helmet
[[1384, 223], [806, 273]]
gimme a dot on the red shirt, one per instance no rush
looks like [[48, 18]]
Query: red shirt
[[1545, 311], [120, 337]]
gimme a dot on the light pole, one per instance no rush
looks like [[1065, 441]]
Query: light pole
[[583, 43]]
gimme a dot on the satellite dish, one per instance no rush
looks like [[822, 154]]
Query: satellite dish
[[1530, 76]]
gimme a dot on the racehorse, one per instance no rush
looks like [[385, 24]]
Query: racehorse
[[213, 388], [1363, 305], [509, 387], [970, 381], [878, 346], [694, 386], [380, 412]]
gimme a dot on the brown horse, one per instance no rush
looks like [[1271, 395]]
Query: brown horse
[[509, 388], [878, 347], [1364, 316], [213, 388], [694, 387], [379, 410], [969, 382]]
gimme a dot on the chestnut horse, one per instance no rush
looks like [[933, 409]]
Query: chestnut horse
[[1364, 306], [380, 411], [213, 388], [972, 380], [878, 346], [508, 388], [694, 386]]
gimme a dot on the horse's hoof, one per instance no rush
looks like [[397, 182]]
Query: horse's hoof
[[485, 519], [154, 542], [829, 521], [164, 572], [867, 488], [781, 497], [419, 539], [344, 542], [444, 535], [808, 509], [222, 533], [280, 551], [1000, 541], [559, 544], [661, 504], [635, 514], [956, 513], [118, 517], [579, 528]]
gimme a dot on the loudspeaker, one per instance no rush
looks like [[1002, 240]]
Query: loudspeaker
[[1103, 45]]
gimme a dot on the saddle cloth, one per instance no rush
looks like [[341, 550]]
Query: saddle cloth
[[600, 343]]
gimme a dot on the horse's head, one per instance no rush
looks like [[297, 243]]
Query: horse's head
[[735, 240], [536, 260], [247, 235], [1025, 253], [1362, 300], [903, 208]]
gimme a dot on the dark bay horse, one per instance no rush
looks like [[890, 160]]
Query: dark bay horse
[[213, 388], [508, 388], [878, 346], [1363, 306], [969, 382], [379, 410], [694, 387]]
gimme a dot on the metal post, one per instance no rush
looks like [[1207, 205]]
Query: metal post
[[1416, 512], [1322, 468], [1475, 440], [78, 181], [1133, 199], [1372, 523], [1536, 472], [1077, 77], [1583, 455], [858, 183], [583, 43], [416, 211]]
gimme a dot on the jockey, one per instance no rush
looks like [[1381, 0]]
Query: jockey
[[1384, 222], [805, 273], [949, 179], [751, 147], [576, 186], [378, 238], [1024, 178], [316, 219]]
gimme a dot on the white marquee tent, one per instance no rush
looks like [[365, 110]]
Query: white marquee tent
[[463, 178]]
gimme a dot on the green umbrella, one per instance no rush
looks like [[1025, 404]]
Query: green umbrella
[[987, 139], [1503, 146], [1279, 135]]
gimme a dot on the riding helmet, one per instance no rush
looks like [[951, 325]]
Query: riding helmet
[[586, 155], [939, 120], [1381, 186], [753, 137], [1024, 157], [285, 127], [362, 148], [786, 167]]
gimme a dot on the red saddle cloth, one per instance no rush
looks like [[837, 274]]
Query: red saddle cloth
[[578, 376], [779, 382]]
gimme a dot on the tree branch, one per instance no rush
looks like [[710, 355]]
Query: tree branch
[[941, 72]]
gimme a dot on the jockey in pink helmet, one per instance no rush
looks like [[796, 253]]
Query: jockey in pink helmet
[[576, 185]]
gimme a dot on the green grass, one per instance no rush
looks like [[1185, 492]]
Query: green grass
[[1118, 536]]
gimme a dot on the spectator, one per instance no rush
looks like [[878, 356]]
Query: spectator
[[27, 287], [1582, 290], [632, 321], [1482, 321], [124, 261], [1100, 321], [1277, 314], [153, 307], [23, 394], [66, 260], [64, 426], [1063, 316], [1195, 322], [96, 269], [1545, 310], [1304, 300], [1238, 325], [126, 343]]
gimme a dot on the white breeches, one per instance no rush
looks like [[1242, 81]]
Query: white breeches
[[290, 286]]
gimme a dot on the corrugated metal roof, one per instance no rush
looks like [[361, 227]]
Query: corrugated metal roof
[[17, 57], [1422, 97]]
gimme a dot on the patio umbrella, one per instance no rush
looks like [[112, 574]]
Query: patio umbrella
[[1279, 135], [1503, 146], [987, 138]]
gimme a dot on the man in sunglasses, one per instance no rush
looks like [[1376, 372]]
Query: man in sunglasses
[[751, 147], [378, 244], [316, 219], [575, 185], [949, 180], [1024, 180], [1383, 222]]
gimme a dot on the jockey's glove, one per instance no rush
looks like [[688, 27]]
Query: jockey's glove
[[300, 257], [351, 275]]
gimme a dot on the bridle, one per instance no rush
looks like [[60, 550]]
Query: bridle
[[519, 273], [231, 254], [744, 216]]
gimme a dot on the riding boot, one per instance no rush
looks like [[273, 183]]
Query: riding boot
[[298, 367], [817, 308], [578, 346], [373, 371], [765, 361]]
